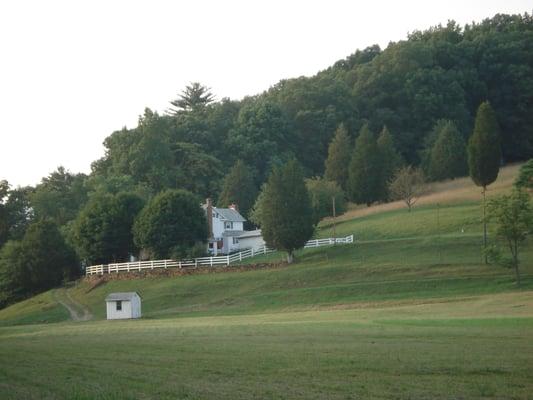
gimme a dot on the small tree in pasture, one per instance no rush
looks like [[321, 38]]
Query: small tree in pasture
[[513, 215], [525, 176], [407, 185], [484, 155]]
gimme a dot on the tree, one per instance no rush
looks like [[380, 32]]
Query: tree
[[407, 185], [514, 217], [102, 231], [525, 176], [447, 158], [171, 224], [322, 193], [40, 261], [339, 154], [390, 161], [59, 196], [484, 155], [16, 212], [239, 188], [284, 210], [364, 175], [195, 96], [261, 138]]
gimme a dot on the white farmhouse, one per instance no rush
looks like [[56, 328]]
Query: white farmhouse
[[225, 225], [123, 305]]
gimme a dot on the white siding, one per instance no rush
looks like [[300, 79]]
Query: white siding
[[130, 309], [218, 227], [252, 242]]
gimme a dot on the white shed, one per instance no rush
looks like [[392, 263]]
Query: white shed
[[123, 305]]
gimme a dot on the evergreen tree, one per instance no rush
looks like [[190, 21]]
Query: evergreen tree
[[390, 161], [364, 175], [484, 154], [194, 97], [448, 154], [284, 209], [239, 188], [339, 154]]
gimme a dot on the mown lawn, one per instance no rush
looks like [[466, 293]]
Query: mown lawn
[[472, 348]]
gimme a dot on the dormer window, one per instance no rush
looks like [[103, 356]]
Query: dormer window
[[228, 225]]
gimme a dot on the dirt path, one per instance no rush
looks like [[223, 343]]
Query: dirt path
[[77, 311]]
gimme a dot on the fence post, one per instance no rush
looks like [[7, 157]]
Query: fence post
[[240, 256], [252, 252], [179, 264], [211, 260], [195, 263], [227, 260]]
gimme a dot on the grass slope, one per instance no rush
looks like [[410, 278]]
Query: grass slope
[[407, 312], [473, 348]]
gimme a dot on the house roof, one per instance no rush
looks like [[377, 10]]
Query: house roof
[[121, 296], [247, 234], [232, 233], [229, 214]]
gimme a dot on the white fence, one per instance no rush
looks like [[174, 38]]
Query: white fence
[[204, 261]]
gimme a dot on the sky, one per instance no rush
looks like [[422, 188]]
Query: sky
[[72, 72]]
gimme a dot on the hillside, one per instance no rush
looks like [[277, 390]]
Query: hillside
[[407, 312], [430, 253]]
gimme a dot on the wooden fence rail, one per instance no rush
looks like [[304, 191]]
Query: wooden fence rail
[[202, 261]]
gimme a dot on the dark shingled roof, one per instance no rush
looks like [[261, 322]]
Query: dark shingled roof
[[121, 296], [229, 214]]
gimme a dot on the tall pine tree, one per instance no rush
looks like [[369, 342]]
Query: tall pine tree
[[239, 188], [284, 210], [390, 161], [448, 155], [484, 154], [339, 154], [364, 175]]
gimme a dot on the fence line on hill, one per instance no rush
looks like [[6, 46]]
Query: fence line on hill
[[202, 261]]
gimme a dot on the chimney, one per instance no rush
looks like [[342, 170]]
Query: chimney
[[234, 206], [209, 215]]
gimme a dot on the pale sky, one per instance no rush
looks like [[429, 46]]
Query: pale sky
[[72, 72]]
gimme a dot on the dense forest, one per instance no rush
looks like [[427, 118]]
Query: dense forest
[[421, 93]]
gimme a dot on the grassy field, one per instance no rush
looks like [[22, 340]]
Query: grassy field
[[465, 348], [407, 312]]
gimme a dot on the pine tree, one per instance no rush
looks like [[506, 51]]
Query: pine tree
[[339, 154], [364, 174], [239, 188], [484, 154], [448, 154], [390, 161], [284, 210]]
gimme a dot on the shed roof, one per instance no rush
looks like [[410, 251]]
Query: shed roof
[[121, 296], [247, 234], [232, 233]]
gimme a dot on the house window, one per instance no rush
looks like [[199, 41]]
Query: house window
[[119, 305], [235, 240], [229, 225]]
